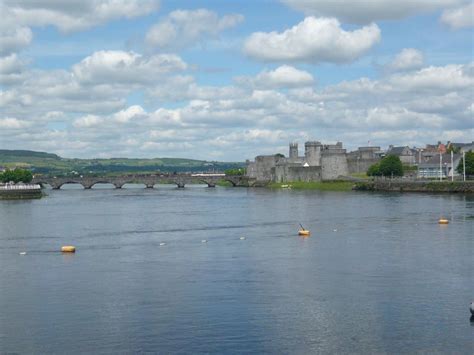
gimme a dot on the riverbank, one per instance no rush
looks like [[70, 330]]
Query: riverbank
[[415, 186], [315, 185], [20, 192]]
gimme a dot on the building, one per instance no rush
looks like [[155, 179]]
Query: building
[[320, 162], [361, 159], [461, 147], [406, 154], [432, 168]]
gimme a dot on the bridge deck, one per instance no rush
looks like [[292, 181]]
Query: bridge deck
[[148, 180]]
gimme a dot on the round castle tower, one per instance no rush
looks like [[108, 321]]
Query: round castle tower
[[312, 153]]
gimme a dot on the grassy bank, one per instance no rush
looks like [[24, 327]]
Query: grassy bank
[[315, 185]]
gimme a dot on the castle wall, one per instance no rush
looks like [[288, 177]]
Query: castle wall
[[263, 167], [333, 165], [288, 173], [360, 165]]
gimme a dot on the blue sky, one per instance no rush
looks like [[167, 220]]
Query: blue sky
[[228, 80]]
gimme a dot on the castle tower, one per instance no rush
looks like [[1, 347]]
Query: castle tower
[[293, 150], [312, 153]]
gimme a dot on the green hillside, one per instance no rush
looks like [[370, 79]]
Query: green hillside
[[52, 164]]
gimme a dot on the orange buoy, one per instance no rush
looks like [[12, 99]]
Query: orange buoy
[[68, 249], [304, 233], [443, 221]]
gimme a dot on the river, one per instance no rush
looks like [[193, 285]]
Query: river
[[377, 275]]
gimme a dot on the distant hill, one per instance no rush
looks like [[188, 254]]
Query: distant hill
[[52, 164]]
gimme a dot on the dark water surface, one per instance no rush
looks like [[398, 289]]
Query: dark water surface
[[377, 275]]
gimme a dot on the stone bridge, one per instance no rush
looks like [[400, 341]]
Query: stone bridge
[[180, 180]]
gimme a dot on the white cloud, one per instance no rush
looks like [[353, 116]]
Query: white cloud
[[461, 17], [88, 121], [284, 76], [449, 77], [70, 16], [367, 11], [14, 39], [131, 112], [185, 27], [13, 123], [313, 40], [407, 59], [125, 67]]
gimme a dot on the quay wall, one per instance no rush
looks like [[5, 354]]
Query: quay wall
[[416, 186], [20, 194]]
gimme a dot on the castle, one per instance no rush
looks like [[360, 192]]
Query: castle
[[321, 162]]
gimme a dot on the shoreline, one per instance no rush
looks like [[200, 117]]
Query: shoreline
[[380, 185]]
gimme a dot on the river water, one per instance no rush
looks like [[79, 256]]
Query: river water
[[377, 275]]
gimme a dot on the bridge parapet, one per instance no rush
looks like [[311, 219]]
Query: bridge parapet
[[180, 180]]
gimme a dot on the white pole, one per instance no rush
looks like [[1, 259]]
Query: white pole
[[452, 167], [440, 167], [464, 165]]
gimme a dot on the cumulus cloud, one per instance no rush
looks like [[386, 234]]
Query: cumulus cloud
[[9, 123], [70, 16], [407, 59], [125, 67], [184, 27], [284, 76], [265, 112], [461, 17], [367, 11], [128, 114], [14, 39], [313, 40], [88, 121]]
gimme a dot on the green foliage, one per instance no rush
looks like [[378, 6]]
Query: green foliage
[[407, 168], [239, 171], [374, 170], [51, 164], [391, 165], [455, 150], [17, 175], [279, 155], [469, 164]]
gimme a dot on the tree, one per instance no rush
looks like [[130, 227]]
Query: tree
[[391, 165], [388, 166], [374, 170], [455, 150], [240, 171], [17, 175], [469, 164]]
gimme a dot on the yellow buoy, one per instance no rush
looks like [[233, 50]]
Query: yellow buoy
[[68, 249], [303, 232], [443, 221]]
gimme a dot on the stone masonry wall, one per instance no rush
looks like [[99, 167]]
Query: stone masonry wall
[[333, 166], [285, 173]]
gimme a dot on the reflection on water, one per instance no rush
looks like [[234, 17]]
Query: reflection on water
[[377, 275]]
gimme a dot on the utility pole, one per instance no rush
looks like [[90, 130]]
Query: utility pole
[[464, 165], [440, 167], [452, 166]]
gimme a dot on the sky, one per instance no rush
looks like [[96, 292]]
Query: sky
[[229, 80]]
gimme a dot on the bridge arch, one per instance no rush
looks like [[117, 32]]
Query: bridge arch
[[60, 184]]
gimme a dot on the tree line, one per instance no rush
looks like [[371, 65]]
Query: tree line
[[16, 175]]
